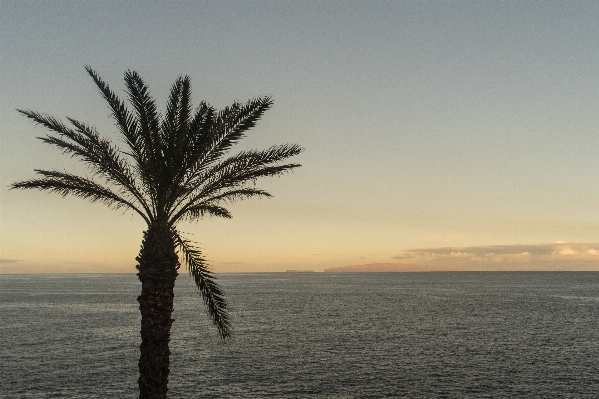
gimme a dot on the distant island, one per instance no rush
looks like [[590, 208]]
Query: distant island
[[375, 268], [300, 271]]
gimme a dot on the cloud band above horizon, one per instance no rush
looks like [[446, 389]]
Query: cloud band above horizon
[[555, 256]]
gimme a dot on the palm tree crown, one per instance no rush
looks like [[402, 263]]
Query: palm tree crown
[[173, 169]]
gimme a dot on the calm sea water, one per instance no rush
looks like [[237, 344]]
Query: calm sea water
[[415, 335]]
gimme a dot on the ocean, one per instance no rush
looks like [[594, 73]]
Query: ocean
[[312, 335]]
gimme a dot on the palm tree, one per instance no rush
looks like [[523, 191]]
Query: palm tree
[[173, 170]]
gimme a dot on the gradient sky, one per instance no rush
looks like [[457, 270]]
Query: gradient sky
[[429, 127]]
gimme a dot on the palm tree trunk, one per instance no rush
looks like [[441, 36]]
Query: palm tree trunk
[[157, 265]]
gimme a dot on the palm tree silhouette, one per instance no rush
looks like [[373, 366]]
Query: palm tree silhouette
[[173, 170]]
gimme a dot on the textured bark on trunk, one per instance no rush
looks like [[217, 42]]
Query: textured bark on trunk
[[157, 266]]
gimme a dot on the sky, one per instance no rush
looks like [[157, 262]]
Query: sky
[[452, 135]]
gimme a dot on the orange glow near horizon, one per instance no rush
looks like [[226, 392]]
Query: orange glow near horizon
[[448, 126]]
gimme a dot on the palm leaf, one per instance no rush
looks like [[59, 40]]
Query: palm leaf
[[191, 145], [175, 135], [86, 144], [234, 172], [236, 177], [226, 129], [247, 161], [211, 292], [105, 158], [229, 178], [150, 140], [68, 184], [128, 126], [124, 119], [205, 209]]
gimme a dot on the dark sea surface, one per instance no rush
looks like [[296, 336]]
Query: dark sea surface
[[312, 335]]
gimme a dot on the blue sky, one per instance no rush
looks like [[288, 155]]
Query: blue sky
[[426, 124]]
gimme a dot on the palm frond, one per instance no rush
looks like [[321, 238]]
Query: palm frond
[[192, 144], [67, 184], [202, 210], [105, 157], [169, 124], [199, 129], [176, 121], [48, 122], [175, 134], [226, 129], [128, 126], [233, 122], [147, 118], [234, 172], [209, 207], [234, 195], [184, 111], [86, 144], [247, 161], [212, 293], [228, 179], [235, 177], [124, 119]]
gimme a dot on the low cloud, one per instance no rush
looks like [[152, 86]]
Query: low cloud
[[567, 251], [556, 256]]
